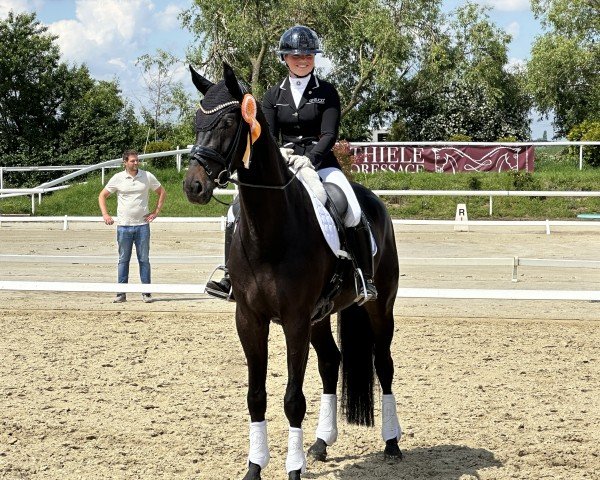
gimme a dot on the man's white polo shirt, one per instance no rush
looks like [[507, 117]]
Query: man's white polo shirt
[[132, 195]]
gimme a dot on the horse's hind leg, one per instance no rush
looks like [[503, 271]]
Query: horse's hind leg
[[329, 358], [382, 321], [254, 337]]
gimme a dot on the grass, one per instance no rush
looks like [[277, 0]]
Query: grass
[[554, 171]]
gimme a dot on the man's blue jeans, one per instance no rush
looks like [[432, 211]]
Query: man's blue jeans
[[127, 236]]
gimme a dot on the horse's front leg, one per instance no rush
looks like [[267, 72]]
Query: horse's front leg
[[254, 333], [329, 358], [297, 338]]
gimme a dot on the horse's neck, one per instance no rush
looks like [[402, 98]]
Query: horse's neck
[[264, 210]]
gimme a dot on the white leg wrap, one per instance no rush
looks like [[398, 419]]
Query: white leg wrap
[[259, 448], [327, 427], [390, 426], [296, 460]]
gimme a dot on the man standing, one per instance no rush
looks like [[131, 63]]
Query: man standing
[[132, 186]]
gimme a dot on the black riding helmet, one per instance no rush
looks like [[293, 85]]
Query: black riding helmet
[[298, 40]]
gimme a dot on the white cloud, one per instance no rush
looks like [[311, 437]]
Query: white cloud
[[167, 18], [509, 5], [18, 6], [513, 29], [102, 29]]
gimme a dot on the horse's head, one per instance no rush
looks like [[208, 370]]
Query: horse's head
[[225, 125]]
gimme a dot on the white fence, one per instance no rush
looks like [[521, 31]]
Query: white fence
[[508, 294], [178, 153]]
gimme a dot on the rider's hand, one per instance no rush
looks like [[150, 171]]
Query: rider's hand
[[108, 219], [286, 153], [299, 162]]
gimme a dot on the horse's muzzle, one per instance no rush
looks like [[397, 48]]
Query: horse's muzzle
[[196, 191]]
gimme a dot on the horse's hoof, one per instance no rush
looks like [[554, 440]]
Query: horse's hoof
[[318, 451], [253, 472], [294, 475], [392, 450]]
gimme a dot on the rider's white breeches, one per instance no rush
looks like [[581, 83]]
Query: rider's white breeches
[[335, 175]]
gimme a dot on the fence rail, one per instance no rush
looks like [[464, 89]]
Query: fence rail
[[512, 262], [448, 293]]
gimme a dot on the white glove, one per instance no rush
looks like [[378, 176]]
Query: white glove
[[298, 162], [286, 153]]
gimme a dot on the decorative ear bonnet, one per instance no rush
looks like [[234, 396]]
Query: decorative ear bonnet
[[216, 103]]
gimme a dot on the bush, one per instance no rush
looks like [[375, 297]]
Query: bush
[[459, 137], [507, 139], [587, 130], [160, 162], [342, 152]]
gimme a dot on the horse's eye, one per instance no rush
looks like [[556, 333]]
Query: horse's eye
[[228, 121]]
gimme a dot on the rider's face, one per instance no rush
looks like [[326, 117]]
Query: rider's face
[[300, 65]]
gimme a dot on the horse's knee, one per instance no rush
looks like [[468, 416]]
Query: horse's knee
[[294, 405]]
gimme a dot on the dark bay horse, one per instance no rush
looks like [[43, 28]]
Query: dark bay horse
[[280, 265]]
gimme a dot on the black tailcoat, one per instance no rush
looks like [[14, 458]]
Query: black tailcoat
[[312, 128]]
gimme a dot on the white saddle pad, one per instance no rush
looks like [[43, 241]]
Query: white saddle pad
[[328, 226]]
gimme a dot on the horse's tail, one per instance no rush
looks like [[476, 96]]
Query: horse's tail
[[357, 343]]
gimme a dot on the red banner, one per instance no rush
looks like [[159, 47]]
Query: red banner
[[444, 159]]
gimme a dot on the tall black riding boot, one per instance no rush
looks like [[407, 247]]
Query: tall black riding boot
[[359, 239], [222, 288]]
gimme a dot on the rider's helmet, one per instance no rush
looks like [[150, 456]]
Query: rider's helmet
[[298, 40]]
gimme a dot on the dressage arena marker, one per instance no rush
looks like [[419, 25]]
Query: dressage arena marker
[[461, 219]]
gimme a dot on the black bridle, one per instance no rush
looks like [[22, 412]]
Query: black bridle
[[202, 154]]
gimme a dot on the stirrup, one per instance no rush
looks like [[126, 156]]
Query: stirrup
[[212, 288], [365, 289]]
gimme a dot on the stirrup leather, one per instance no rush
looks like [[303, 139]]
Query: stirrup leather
[[214, 292]]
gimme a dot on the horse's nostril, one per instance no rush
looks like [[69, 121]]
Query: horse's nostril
[[197, 188]]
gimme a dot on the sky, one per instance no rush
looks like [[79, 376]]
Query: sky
[[110, 35]]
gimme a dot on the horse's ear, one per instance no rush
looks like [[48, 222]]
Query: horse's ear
[[232, 83], [201, 83]]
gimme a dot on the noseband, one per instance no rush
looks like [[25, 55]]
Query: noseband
[[201, 154]]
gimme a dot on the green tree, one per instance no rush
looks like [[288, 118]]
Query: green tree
[[51, 113], [31, 80], [562, 73], [157, 72], [462, 85], [368, 44]]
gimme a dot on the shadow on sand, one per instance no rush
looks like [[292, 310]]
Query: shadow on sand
[[441, 462]]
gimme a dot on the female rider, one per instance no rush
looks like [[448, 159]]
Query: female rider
[[303, 113]]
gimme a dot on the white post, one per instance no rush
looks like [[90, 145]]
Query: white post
[[580, 157], [40, 198], [178, 160], [102, 179], [461, 219], [32, 203], [515, 275], [547, 227], [65, 223], [491, 205]]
